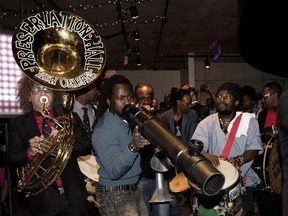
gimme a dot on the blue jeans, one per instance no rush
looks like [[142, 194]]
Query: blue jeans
[[120, 203], [147, 188]]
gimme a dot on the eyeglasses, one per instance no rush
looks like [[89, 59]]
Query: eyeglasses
[[38, 89], [267, 95], [225, 97]]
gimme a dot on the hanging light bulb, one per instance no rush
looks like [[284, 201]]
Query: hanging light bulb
[[138, 62], [136, 35], [133, 12], [137, 50], [207, 63]]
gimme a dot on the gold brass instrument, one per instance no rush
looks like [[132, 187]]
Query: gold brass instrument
[[57, 149], [63, 52], [59, 50]]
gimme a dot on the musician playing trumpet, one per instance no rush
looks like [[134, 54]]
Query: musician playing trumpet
[[67, 193]]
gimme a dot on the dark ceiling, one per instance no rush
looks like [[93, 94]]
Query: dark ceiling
[[169, 30], [172, 30]]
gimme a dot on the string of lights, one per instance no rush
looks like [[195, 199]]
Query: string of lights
[[15, 13]]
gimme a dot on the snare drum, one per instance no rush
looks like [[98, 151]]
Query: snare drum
[[89, 167], [229, 199]]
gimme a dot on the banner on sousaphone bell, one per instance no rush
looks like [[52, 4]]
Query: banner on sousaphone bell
[[59, 50]]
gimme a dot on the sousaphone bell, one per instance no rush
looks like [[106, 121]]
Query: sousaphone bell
[[59, 50]]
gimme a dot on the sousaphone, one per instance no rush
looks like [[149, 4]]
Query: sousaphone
[[61, 51]]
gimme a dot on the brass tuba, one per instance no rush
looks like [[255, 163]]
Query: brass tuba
[[61, 51]]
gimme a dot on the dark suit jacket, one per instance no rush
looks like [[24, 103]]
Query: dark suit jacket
[[21, 130], [283, 139]]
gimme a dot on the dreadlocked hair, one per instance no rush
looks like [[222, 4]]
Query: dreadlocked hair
[[106, 92]]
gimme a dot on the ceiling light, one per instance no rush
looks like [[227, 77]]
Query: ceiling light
[[135, 35], [133, 12], [138, 62], [207, 63], [136, 49]]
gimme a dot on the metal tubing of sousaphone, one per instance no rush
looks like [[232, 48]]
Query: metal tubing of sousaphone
[[197, 169]]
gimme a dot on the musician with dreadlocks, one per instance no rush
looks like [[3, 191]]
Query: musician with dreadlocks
[[117, 146]]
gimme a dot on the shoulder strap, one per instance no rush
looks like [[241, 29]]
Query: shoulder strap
[[231, 137]]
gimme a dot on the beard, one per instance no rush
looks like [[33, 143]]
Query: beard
[[224, 109]]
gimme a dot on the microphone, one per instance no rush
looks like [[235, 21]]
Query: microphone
[[196, 168]]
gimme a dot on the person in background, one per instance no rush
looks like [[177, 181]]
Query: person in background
[[166, 104], [249, 99], [182, 119], [214, 131], [88, 98], [283, 141], [155, 105], [117, 145], [104, 75], [210, 104], [269, 203], [67, 195], [206, 89], [196, 105], [258, 105], [144, 94], [84, 101]]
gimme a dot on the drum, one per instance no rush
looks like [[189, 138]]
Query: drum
[[89, 167], [228, 201], [268, 166], [179, 183]]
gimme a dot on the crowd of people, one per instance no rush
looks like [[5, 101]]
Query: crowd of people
[[235, 125]]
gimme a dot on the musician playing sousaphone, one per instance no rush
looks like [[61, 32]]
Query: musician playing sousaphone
[[59, 52], [233, 157], [269, 192]]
